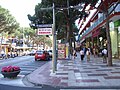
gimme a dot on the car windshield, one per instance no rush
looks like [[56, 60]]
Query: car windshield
[[39, 52]]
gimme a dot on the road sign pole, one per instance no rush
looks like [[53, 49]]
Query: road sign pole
[[54, 60]]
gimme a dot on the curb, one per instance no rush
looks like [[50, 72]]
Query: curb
[[26, 82], [43, 86], [27, 77], [72, 87]]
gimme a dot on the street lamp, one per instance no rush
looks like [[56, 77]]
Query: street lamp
[[54, 60]]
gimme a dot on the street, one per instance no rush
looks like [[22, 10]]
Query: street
[[27, 65]]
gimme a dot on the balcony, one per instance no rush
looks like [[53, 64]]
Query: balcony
[[100, 20], [96, 23]]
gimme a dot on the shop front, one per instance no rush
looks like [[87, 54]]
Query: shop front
[[5, 48], [115, 38], [119, 41]]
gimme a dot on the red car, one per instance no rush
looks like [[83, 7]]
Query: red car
[[42, 55]]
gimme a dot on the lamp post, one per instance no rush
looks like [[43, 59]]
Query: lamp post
[[54, 59]]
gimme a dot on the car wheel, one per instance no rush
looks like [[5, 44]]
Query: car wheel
[[35, 59]]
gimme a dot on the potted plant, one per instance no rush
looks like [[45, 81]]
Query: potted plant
[[10, 71]]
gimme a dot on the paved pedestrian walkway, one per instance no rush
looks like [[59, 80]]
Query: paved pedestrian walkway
[[78, 74]]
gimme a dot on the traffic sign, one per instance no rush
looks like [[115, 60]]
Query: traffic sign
[[44, 31], [44, 25]]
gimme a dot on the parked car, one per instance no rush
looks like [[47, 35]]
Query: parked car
[[42, 55]]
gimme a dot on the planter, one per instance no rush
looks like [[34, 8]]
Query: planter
[[10, 74]]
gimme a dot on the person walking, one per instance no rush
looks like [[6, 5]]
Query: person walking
[[3, 54], [74, 54], [94, 52], [82, 54], [88, 54], [104, 53]]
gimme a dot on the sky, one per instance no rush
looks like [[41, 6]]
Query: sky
[[20, 9]]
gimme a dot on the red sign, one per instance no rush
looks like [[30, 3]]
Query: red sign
[[44, 31]]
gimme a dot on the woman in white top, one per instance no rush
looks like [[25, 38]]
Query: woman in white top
[[104, 52], [82, 54]]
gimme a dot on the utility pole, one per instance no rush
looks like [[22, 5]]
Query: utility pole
[[54, 60]]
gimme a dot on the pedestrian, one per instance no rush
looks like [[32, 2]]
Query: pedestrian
[[74, 54], [8, 56], [94, 52], [88, 54], [82, 54], [3, 54], [104, 53], [84, 49]]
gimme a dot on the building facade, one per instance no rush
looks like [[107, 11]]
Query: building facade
[[93, 31]]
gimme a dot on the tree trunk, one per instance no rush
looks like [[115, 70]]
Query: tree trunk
[[109, 62], [70, 46], [68, 38]]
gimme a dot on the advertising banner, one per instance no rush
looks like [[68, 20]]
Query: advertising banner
[[61, 51]]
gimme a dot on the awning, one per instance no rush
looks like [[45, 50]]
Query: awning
[[96, 33]]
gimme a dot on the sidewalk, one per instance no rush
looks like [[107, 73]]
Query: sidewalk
[[78, 74]]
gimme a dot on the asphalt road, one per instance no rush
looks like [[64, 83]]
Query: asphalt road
[[27, 65]]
